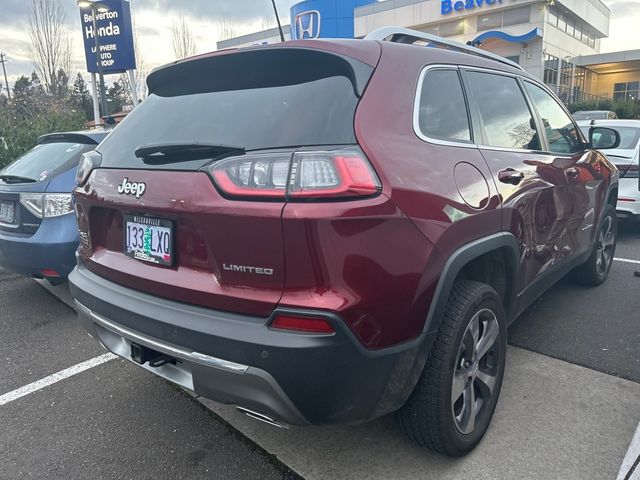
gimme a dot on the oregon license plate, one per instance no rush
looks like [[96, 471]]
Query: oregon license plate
[[149, 239], [7, 212]]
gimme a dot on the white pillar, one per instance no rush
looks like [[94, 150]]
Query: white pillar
[[96, 108], [134, 88]]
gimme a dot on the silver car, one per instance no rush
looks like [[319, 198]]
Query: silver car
[[627, 158]]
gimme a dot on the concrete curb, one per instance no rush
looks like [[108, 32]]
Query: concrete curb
[[630, 469]]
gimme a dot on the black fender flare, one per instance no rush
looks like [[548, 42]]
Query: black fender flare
[[461, 257]]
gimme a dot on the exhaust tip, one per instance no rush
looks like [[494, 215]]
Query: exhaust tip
[[261, 417]]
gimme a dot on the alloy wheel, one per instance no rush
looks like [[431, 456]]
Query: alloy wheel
[[476, 371], [605, 246]]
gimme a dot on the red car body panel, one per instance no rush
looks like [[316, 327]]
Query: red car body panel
[[210, 231]]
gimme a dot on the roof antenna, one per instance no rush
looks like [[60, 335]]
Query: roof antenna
[[275, 10]]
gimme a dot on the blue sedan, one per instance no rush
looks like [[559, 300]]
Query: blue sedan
[[38, 230]]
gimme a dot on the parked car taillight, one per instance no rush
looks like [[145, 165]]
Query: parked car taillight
[[88, 162], [305, 174], [47, 205]]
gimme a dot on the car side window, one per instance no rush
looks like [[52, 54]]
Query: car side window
[[442, 113], [562, 133], [506, 118]]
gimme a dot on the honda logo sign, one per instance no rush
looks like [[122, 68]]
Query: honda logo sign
[[308, 24]]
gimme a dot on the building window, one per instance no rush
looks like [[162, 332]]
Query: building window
[[489, 21], [566, 73], [626, 91], [553, 17], [451, 28], [514, 16], [571, 26], [551, 67]]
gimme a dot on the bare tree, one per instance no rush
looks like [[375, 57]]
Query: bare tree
[[50, 47], [226, 29], [184, 44]]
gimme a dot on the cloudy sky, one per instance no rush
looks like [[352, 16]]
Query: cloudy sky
[[153, 20]]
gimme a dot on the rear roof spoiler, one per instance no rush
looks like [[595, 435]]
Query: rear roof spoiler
[[66, 137], [408, 36]]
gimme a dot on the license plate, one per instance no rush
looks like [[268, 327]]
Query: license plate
[[7, 212], [149, 239]]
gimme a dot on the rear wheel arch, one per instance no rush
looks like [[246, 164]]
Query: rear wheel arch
[[492, 260]]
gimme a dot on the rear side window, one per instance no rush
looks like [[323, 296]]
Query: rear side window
[[272, 98], [505, 115], [44, 160], [561, 132], [442, 113]]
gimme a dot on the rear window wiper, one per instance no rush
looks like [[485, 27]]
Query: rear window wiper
[[160, 152], [16, 179]]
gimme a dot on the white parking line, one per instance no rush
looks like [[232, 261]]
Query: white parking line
[[627, 260], [56, 377]]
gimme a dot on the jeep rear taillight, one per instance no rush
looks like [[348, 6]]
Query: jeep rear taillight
[[301, 175]]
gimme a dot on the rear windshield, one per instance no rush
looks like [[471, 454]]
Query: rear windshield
[[253, 100], [629, 136], [47, 159]]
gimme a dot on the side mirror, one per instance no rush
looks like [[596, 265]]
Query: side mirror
[[603, 138]]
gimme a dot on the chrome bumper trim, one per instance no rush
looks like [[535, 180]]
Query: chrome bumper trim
[[161, 346]]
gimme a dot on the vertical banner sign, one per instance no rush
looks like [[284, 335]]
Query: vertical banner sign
[[115, 36]]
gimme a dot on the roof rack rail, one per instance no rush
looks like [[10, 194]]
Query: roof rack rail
[[406, 35]]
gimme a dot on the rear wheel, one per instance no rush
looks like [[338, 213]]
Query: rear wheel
[[452, 405], [595, 270]]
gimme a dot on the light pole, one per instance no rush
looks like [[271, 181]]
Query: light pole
[[96, 7], [3, 59]]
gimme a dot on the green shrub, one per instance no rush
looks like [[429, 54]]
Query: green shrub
[[624, 109]]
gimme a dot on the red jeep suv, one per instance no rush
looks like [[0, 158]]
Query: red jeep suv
[[324, 232]]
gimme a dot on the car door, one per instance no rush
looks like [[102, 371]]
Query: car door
[[531, 183], [586, 186]]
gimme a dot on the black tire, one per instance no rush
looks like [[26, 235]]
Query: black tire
[[429, 416], [593, 272]]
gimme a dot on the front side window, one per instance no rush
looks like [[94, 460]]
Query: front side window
[[442, 112], [506, 118], [561, 131]]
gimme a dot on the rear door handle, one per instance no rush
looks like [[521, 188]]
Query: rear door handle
[[511, 176]]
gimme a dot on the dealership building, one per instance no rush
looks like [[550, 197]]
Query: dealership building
[[558, 41]]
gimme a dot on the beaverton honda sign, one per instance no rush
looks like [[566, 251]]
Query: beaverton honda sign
[[115, 35]]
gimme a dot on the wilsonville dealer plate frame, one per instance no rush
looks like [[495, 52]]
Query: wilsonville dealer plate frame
[[149, 239]]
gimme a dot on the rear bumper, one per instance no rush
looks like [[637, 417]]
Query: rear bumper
[[234, 359], [53, 246], [628, 207]]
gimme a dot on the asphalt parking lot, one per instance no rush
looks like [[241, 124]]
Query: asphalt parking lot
[[569, 407]]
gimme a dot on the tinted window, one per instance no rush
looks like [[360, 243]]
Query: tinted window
[[560, 130], [505, 115], [43, 160], [255, 100], [443, 114]]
